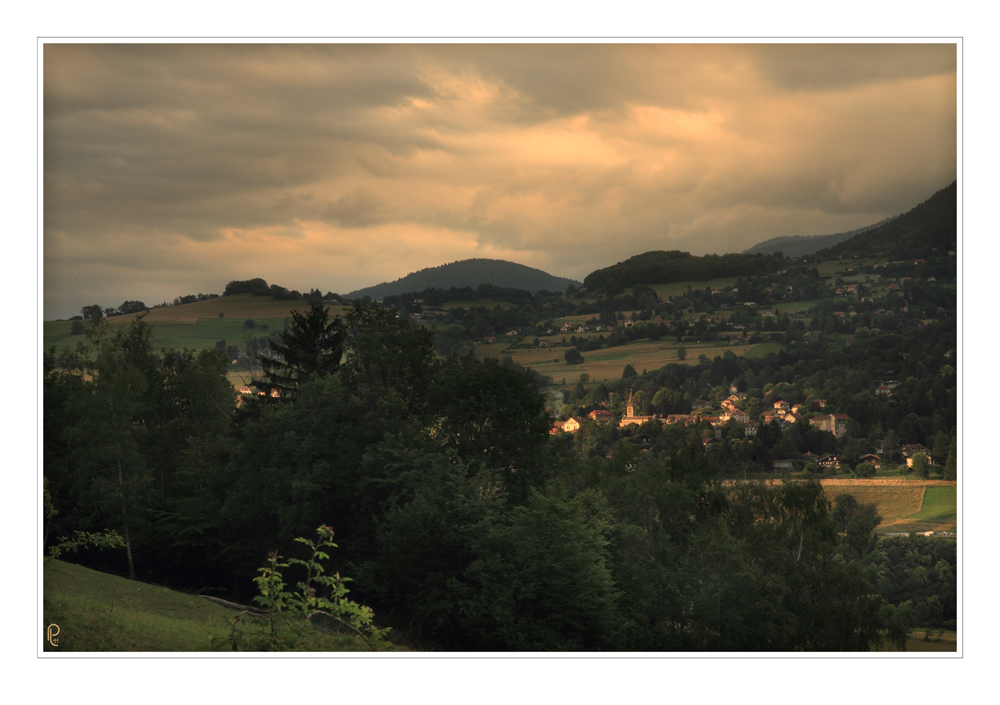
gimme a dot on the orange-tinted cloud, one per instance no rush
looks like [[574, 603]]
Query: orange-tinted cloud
[[171, 169]]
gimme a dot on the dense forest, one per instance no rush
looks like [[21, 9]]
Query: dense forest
[[674, 266], [462, 522]]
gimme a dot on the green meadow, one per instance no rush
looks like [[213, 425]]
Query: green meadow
[[905, 505], [938, 512]]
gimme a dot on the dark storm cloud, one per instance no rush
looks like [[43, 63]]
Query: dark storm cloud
[[352, 164], [359, 208], [821, 67]]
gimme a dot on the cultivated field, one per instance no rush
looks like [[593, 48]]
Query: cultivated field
[[664, 291], [608, 364], [905, 505], [196, 325], [938, 511]]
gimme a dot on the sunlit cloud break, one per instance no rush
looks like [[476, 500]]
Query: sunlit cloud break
[[171, 169]]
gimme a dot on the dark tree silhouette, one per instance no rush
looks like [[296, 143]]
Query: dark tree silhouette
[[312, 345]]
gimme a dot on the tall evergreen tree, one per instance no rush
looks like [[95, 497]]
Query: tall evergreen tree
[[312, 345]]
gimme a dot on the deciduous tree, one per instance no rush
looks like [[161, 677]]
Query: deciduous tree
[[921, 466]]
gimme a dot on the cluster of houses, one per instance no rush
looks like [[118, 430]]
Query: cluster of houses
[[785, 413], [832, 462], [570, 327]]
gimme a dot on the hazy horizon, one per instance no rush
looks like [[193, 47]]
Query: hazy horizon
[[171, 169]]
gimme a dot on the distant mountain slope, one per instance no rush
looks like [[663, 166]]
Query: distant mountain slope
[[472, 273], [917, 233], [799, 245]]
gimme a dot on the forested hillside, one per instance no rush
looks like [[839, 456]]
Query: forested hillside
[[469, 273], [664, 267], [929, 227]]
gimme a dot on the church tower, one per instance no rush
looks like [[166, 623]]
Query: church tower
[[629, 406]]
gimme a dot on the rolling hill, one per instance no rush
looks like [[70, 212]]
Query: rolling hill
[[472, 273]]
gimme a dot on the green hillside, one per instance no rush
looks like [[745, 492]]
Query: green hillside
[[104, 613]]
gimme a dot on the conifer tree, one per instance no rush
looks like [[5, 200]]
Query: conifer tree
[[312, 345]]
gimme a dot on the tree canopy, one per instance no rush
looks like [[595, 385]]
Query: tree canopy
[[466, 524]]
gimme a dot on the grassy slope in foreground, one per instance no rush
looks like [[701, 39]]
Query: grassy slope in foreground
[[100, 612]]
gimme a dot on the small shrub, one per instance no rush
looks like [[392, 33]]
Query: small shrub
[[289, 614], [864, 470]]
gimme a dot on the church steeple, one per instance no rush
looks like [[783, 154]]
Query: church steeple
[[629, 406]]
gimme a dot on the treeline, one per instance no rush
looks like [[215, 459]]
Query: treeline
[[95, 312], [259, 287], [662, 267], [434, 297], [460, 522], [189, 299]]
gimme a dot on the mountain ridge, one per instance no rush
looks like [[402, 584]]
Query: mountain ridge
[[800, 245], [471, 273]]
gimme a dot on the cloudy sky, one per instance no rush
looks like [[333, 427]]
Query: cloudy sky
[[171, 169]]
